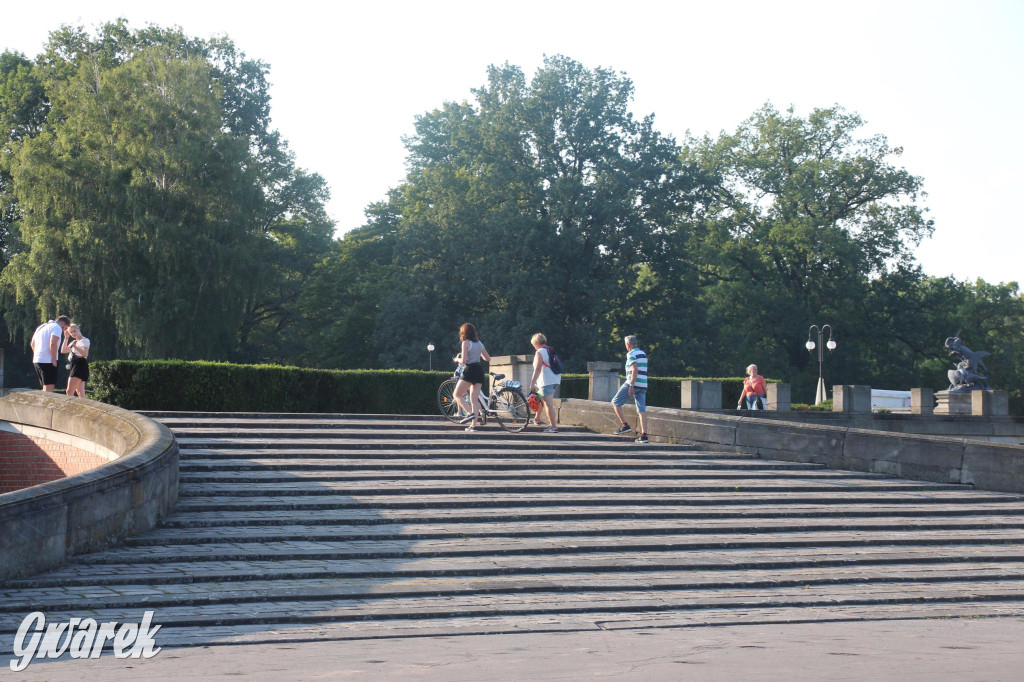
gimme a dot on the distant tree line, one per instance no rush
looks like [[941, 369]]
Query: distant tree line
[[143, 192]]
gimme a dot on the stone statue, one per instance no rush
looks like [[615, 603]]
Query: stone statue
[[966, 377]]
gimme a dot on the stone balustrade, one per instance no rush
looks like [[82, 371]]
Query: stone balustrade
[[42, 525]]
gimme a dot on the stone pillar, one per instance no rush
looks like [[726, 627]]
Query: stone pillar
[[922, 400], [953, 403], [711, 395], [700, 395], [689, 395], [851, 399], [779, 397], [518, 367], [990, 403], [604, 380]]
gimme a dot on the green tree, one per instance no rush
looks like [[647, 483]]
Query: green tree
[[156, 203], [23, 109], [532, 208], [340, 302], [799, 218]]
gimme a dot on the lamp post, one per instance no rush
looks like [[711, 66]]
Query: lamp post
[[430, 356], [821, 396]]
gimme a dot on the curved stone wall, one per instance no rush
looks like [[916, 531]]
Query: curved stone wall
[[41, 526]]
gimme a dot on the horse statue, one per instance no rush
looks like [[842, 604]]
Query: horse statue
[[967, 375]]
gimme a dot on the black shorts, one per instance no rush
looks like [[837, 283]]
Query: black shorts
[[474, 373], [47, 373], [80, 368]]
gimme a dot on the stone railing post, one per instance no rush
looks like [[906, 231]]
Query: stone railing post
[[990, 403], [700, 395], [689, 395], [604, 380], [922, 401], [779, 397], [851, 399], [711, 395], [518, 367]]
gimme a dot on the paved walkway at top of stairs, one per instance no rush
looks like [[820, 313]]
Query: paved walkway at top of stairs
[[319, 527]]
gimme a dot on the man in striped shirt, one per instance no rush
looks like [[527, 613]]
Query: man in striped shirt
[[634, 387]]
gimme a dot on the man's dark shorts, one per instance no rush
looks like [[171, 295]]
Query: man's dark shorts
[[47, 373]]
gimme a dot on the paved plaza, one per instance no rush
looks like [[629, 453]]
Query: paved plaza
[[405, 547]]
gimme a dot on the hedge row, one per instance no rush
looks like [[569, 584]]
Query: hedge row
[[224, 387]]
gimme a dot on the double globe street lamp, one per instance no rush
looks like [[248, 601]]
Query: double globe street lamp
[[821, 396]]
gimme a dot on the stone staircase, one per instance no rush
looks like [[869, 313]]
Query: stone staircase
[[296, 528]]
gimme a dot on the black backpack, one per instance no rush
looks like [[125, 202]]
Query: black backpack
[[556, 365]]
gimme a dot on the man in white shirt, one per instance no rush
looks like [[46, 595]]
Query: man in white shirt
[[45, 344]]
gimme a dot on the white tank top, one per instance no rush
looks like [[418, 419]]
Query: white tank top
[[475, 349]]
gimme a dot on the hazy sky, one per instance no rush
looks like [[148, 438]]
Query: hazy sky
[[941, 79]]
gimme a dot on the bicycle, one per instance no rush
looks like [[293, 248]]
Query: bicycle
[[506, 403]]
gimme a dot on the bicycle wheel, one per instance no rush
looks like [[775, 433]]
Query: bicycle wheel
[[446, 401], [510, 410]]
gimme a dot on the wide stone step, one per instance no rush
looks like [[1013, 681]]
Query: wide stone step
[[371, 429], [509, 545], [292, 635], [268, 465], [552, 453], [536, 500], [208, 593], [171, 419], [270, 492], [629, 477], [455, 434], [623, 486], [478, 442], [525, 528], [554, 602], [456, 567], [576, 513]]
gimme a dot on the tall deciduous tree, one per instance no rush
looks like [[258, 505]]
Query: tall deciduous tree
[[532, 208], [800, 218], [155, 203]]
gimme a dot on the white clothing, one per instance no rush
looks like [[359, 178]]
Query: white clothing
[[80, 345], [547, 377], [41, 342], [476, 349]]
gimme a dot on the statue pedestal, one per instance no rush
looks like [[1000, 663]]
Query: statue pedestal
[[954, 403]]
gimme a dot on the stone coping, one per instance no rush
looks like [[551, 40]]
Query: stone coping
[[82, 444], [944, 459], [41, 526]]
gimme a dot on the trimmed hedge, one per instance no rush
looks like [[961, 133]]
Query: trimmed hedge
[[225, 387]]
